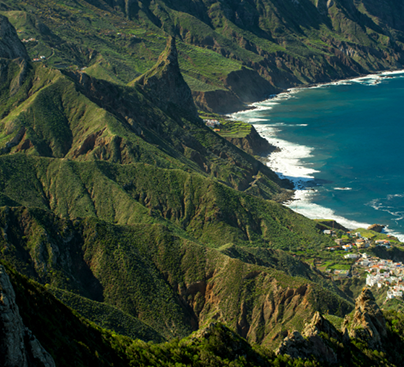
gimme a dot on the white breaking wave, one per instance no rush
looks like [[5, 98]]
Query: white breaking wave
[[253, 119], [287, 163], [303, 205], [396, 72], [398, 216]]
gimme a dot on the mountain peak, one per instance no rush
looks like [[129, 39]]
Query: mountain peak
[[10, 45], [164, 82]]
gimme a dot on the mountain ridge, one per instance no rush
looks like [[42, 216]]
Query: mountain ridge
[[113, 189], [239, 52]]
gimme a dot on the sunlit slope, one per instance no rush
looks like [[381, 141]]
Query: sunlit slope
[[121, 194], [161, 276], [229, 53]]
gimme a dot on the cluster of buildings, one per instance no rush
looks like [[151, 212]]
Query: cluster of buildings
[[380, 272], [40, 58], [357, 241], [384, 272], [28, 40], [212, 123], [383, 243]]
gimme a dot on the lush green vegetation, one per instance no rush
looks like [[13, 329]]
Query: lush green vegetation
[[71, 339], [119, 43], [107, 316], [117, 198]]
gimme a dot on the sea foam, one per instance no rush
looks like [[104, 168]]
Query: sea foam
[[289, 161]]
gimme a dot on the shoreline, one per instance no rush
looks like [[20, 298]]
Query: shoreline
[[252, 106], [286, 163]]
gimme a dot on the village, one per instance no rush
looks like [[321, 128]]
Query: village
[[380, 272], [215, 124], [384, 273], [357, 241]]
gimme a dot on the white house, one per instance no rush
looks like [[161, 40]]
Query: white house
[[351, 256]]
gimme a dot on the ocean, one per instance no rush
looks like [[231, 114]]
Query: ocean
[[341, 144]]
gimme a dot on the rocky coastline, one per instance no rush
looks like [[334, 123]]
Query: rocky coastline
[[376, 227]]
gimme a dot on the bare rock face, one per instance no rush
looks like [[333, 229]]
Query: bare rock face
[[376, 227], [253, 143], [294, 345], [18, 346], [10, 45], [165, 84], [309, 342], [368, 323], [319, 324]]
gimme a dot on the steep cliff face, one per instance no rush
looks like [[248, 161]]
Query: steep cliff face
[[219, 101], [10, 45], [248, 85], [253, 143], [366, 325], [309, 342], [368, 322], [18, 346]]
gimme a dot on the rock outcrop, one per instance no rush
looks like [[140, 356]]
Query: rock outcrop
[[309, 342], [319, 324], [219, 101], [165, 85], [368, 322], [253, 143], [18, 346], [321, 339], [376, 227], [10, 45]]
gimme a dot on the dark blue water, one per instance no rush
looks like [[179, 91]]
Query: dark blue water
[[355, 134]]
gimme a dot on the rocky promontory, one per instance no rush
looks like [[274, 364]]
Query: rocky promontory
[[376, 227], [165, 84], [253, 143]]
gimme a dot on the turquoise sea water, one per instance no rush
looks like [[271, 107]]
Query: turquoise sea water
[[342, 144]]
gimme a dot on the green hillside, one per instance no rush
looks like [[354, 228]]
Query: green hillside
[[72, 339], [229, 52], [117, 198], [128, 206]]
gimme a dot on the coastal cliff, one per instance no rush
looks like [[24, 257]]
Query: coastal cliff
[[117, 195], [241, 87], [253, 143], [230, 54]]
